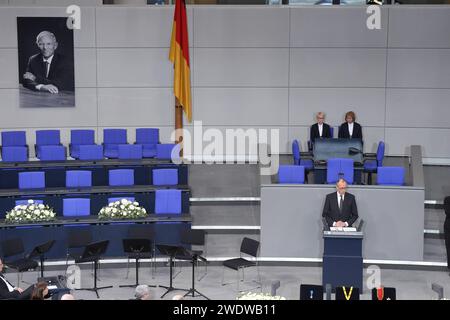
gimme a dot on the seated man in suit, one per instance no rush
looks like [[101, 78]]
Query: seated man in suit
[[320, 129], [48, 70], [350, 129], [340, 207], [8, 291]]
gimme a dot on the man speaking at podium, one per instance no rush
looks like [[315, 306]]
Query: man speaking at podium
[[340, 207]]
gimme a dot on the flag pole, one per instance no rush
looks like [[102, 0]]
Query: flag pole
[[179, 123]]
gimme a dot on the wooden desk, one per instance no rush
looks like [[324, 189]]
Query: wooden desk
[[39, 99]]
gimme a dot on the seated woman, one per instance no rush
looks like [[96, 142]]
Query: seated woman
[[40, 291], [350, 129]]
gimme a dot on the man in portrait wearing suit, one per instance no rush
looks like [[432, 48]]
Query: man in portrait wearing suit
[[320, 129], [48, 70], [350, 129], [340, 207], [8, 291]]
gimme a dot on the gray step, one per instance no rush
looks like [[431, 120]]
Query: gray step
[[224, 180], [437, 182], [434, 250], [226, 215], [434, 219], [226, 245]]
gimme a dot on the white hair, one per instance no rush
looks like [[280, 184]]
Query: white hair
[[45, 34], [320, 113], [141, 291], [67, 296]]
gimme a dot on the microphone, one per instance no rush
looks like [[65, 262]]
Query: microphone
[[353, 151]]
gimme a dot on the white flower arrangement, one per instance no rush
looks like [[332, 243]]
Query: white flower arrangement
[[258, 296], [123, 209], [31, 212]]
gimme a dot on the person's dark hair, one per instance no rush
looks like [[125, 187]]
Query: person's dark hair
[[38, 291], [350, 114], [447, 205]]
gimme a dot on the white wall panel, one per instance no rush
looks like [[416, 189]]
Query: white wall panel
[[241, 67], [135, 107], [134, 68], [422, 27], [328, 67], [418, 68], [120, 27], [241, 106], [433, 146], [368, 104], [241, 27], [426, 108], [333, 27]]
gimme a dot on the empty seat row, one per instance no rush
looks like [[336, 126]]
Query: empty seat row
[[83, 178], [167, 201], [341, 168], [82, 145]]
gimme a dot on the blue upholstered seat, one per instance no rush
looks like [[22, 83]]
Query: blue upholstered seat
[[165, 177], [291, 174], [121, 177], [32, 180], [392, 176], [79, 138], [130, 151], [148, 138], [91, 152], [112, 138], [168, 201], [76, 207], [338, 168], [14, 154], [78, 178]]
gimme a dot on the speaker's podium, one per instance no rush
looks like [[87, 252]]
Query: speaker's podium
[[342, 257]]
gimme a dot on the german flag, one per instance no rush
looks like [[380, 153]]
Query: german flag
[[179, 55]]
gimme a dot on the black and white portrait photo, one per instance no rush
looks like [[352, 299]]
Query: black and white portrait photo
[[46, 62]]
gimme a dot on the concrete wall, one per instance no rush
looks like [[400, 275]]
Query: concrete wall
[[262, 67], [291, 225]]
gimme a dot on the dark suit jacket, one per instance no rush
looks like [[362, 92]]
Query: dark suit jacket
[[331, 209], [60, 74], [5, 294], [343, 131], [314, 132]]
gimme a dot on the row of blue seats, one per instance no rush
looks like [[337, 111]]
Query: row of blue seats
[[167, 201], [83, 178], [82, 145], [370, 165], [341, 168]]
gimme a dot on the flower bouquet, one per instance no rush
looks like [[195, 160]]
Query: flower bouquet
[[31, 212], [123, 209], [258, 296]]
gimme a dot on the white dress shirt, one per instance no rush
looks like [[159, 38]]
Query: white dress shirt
[[8, 285], [320, 129], [350, 129]]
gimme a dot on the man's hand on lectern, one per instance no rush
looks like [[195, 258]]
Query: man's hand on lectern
[[340, 224]]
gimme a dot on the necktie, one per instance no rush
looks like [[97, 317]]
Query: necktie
[[341, 203], [47, 67]]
